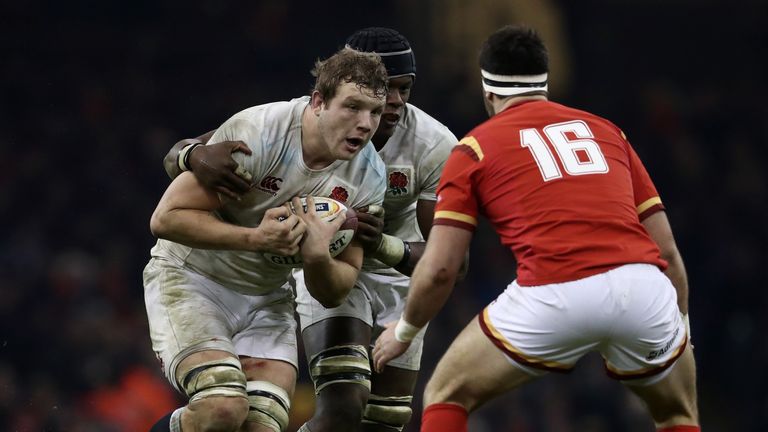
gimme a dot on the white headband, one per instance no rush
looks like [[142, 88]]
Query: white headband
[[510, 85]]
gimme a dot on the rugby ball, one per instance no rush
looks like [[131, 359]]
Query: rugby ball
[[328, 209]]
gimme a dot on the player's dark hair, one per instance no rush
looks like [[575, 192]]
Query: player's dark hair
[[514, 50], [394, 48], [366, 70]]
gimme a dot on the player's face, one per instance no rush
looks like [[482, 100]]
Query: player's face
[[347, 122], [397, 97]]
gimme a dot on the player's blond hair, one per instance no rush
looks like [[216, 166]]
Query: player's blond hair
[[364, 69]]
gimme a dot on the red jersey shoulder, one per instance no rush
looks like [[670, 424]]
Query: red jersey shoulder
[[470, 147]]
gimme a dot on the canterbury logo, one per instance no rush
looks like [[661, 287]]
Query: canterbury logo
[[271, 183]]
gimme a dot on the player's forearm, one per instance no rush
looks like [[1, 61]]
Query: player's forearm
[[435, 274], [330, 282], [676, 273], [328, 279], [416, 250], [431, 285], [171, 160], [201, 229], [660, 231]]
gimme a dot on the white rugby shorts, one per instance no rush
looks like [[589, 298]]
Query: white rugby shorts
[[629, 314], [189, 313], [375, 299]]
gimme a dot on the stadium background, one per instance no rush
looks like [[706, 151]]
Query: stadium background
[[94, 93]]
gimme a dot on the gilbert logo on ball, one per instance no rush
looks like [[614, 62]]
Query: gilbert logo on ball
[[328, 209]]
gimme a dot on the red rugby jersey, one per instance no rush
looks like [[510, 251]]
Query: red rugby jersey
[[562, 187]]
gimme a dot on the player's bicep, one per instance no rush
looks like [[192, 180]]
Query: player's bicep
[[425, 213], [186, 192], [446, 248], [658, 227], [352, 255]]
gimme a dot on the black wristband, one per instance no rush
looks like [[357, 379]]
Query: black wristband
[[406, 254]]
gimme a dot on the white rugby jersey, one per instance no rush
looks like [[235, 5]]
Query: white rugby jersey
[[414, 155], [273, 133]]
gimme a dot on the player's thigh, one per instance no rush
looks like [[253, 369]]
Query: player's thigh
[[268, 329], [183, 317], [335, 331], [458, 379], [673, 399], [277, 372]]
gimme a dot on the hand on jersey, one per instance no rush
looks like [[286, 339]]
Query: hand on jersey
[[314, 246], [387, 347], [370, 226], [214, 166], [280, 231]]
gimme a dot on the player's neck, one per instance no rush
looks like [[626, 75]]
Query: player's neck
[[506, 103]]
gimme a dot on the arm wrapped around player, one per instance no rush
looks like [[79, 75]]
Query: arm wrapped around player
[[388, 249], [212, 164]]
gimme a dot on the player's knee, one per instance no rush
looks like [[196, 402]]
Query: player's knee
[[216, 390], [390, 413], [341, 364], [439, 390], [220, 414], [217, 378], [339, 408], [674, 411]]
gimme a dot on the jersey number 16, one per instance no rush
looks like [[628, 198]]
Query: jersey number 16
[[578, 156]]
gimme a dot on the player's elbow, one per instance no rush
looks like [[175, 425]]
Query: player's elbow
[[329, 300], [331, 296], [463, 269], [443, 276], [158, 223], [670, 253]]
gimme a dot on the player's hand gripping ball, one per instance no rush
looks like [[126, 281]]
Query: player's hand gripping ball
[[328, 209]]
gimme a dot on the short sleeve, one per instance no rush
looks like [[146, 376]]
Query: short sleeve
[[647, 200], [456, 198]]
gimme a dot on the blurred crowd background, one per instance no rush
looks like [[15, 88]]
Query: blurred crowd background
[[93, 94]]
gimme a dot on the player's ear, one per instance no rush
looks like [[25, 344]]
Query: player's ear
[[488, 99], [488, 96], [316, 102]]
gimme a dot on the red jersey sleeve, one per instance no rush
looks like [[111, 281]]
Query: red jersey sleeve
[[456, 203], [647, 200]]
